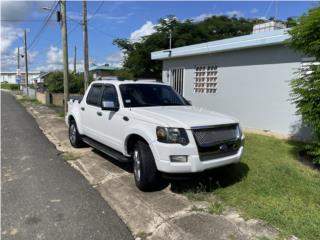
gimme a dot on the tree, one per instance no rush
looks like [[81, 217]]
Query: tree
[[54, 82], [137, 54], [305, 38]]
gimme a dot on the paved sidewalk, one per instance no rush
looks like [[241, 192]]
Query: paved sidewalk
[[154, 215]]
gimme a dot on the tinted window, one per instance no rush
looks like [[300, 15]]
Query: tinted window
[[148, 95], [94, 95], [109, 94]]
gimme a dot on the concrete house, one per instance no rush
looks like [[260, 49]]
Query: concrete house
[[247, 77]]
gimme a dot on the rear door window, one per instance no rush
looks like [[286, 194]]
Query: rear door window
[[94, 95]]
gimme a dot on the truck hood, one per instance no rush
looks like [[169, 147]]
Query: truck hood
[[182, 116]]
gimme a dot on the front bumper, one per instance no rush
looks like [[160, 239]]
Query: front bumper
[[162, 153]]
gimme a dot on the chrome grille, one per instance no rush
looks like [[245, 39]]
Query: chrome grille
[[218, 141], [211, 136]]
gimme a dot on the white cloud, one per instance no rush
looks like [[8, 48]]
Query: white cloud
[[54, 55], [9, 34], [234, 13], [9, 60], [115, 59], [11, 13], [254, 10], [203, 16], [146, 29], [17, 10], [54, 60]]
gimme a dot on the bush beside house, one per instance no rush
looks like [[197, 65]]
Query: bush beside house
[[305, 38]]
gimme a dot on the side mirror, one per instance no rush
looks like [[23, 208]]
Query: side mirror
[[188, 102], [109, 106]]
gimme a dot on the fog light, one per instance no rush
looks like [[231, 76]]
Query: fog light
[[179, 158]]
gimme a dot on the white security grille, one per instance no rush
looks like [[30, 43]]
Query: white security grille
[[176, 79], [206, 79]]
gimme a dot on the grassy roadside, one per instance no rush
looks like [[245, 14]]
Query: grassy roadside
[[269, 184], [25, 99]]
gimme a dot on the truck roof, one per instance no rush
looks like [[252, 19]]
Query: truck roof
[[118, 82]]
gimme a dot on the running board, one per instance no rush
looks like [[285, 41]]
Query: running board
[[106, 150]]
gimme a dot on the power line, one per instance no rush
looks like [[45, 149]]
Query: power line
[[97, 10], [44, 25]]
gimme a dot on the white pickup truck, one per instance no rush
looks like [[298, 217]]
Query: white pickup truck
[[151, 125]]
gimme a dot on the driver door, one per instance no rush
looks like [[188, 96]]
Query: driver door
[[110, 122]]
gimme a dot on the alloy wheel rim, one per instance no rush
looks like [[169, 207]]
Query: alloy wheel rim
[[73, 133], [136, 165]]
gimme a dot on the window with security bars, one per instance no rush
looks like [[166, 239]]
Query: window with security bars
[[205, 79]]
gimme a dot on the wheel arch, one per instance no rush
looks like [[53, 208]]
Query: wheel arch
[[131, 140]]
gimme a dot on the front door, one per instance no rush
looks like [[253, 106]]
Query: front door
[[110, 122]]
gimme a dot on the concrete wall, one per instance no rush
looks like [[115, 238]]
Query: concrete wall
[[56, 99], [43, 97], [253, 86], [30, 93]]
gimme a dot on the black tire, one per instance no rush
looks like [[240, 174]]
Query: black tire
[[74, 136], [148, 178]]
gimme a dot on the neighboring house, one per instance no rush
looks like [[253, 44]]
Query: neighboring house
[[103, 72], [11, 77], [247, 77]]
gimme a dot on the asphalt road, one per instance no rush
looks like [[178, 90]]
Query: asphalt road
[[42, 196]]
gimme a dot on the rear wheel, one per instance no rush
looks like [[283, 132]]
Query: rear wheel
[[145, 171], [74, 136]]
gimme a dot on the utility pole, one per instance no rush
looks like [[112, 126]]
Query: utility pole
[[26, 61], [85, 41], [170, 40], [75, 60], [18, 68], [18, 72], [65, 54]]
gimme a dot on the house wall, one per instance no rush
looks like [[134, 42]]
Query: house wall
[[11, 77], [253, 86]]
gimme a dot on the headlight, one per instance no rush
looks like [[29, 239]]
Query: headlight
[[172, 135], [238, 132]]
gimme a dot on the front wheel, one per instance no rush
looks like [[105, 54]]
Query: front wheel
[[74, 136], [145, 171]]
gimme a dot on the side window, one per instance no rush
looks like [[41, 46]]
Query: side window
[[94, 95], [110, 94]]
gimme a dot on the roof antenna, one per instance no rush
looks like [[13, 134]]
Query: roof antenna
[[170, 43]]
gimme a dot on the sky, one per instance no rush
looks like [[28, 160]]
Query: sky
[[108, 20]]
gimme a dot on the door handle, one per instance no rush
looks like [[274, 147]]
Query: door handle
[[125, 118], [82, 108], [99, 113]]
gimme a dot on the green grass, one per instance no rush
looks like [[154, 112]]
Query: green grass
[[28, 100], [269, 184], [69, 156], [9, 86], [216, 208]]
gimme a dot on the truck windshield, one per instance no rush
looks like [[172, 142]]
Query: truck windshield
[[149, 95]]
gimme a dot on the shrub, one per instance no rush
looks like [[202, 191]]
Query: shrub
[[54, 82], [9, 86], [305, 38]]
